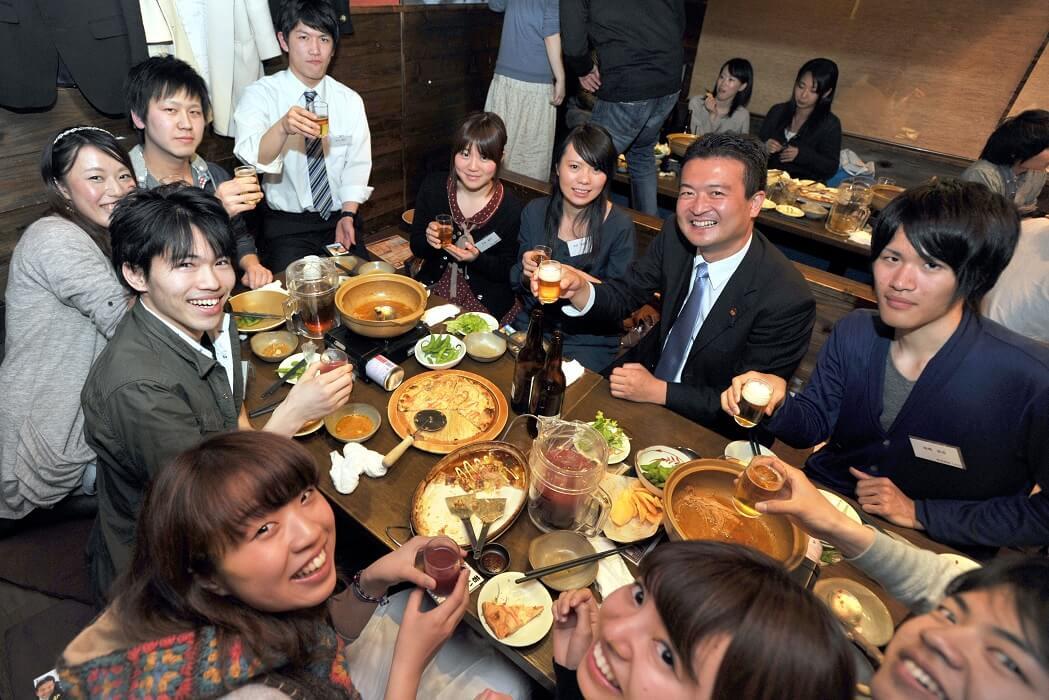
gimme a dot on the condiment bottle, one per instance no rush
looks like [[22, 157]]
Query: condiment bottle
[[548, 392], [529, 363]]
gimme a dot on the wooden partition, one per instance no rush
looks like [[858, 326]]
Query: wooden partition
[[933, 75]]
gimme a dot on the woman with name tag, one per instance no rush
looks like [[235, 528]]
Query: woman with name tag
[[583, 229], [466, 222], [234, 593], [63, 303], [934, 416]]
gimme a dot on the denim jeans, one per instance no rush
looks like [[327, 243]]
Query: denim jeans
[[634, 128]]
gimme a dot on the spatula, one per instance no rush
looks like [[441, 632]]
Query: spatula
[[463, 507], [488, 510]]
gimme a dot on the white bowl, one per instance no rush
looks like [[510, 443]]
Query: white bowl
[[651, 454], [460, 348], [740, 451]]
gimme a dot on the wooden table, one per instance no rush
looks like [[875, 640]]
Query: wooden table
[[377, 504]]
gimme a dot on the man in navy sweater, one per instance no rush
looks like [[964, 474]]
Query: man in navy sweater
[[934, 416]]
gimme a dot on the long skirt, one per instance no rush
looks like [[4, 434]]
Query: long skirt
[[530, 121]]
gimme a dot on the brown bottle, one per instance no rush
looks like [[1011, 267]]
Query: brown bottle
[[529, 363], [548, 392]]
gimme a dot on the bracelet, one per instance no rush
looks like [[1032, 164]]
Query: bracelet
[[355, 586]]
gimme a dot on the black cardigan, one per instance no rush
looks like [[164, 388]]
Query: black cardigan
[[489, 274], [819, 145]]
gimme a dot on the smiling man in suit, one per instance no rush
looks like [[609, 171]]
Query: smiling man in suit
[[731, 300]]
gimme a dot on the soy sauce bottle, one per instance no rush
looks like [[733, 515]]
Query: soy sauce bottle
[[529, 363], [548, 392]]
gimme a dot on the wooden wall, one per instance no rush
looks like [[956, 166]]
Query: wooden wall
[[934, 75], [419, 69]]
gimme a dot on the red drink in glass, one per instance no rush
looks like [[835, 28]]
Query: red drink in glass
[[442, 561], [333, 358]]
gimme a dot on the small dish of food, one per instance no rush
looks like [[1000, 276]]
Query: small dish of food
[[790, 210], [274, 346], [354, 422], [654, 465], [440, 351], [375, 267], [261, 301], [768, 204], [284, 369], [814, 211], [516, 615], [618, 442], [485, 346], [636, 514], [309, 427], [471, 322]]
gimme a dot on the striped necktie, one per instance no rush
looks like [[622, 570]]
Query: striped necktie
[[690, 318], [319, 186]]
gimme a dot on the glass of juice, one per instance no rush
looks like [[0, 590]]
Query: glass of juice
[[332, 358], [442, 560]]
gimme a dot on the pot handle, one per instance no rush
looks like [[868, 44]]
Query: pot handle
[[390, 529]]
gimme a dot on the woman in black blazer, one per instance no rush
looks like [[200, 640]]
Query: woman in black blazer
[[803, 137]]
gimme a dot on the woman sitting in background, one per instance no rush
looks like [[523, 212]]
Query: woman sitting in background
[[703, 620], [1014, 159], [230, 592], [472, 270], [63, 303], [583, 229], [802, 135], [724, 108]]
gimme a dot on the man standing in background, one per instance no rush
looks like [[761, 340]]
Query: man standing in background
[[637, 77]]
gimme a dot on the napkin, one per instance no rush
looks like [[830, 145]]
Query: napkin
[[345, 475], [274, 286], [851, 163], [861, 237], [573, 371], [612, 572], [368, 461], [439, 313]]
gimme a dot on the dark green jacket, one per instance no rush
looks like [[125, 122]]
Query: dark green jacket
[[148, 397]]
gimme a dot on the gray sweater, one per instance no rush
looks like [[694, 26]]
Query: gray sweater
[[63, 302]]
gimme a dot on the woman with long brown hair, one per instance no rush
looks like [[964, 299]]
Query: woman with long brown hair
[[63, 303]]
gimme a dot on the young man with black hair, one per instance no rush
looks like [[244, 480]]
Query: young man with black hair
[[169, 105], [314, 182], [172, 374]]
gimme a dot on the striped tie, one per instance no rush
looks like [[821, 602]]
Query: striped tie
[[679, 340], [319, 186]]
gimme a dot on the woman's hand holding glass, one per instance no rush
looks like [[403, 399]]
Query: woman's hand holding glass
[[398, 566], [423, 632], [575, 621]]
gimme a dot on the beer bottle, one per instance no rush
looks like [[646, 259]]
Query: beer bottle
[[529, 363], [548, 394]]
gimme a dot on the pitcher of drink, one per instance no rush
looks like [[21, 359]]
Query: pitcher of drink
[[851, 207], [310, 308], [566, 464]]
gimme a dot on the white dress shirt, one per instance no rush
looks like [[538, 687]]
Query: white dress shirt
[[718, 275], [347, 149]]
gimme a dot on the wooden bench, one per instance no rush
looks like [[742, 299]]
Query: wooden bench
[[835, 295]]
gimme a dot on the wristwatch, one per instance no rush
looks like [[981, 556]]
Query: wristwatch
[[346, 213]]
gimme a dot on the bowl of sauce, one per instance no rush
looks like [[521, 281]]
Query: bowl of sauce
[[354, 422], [274, 346], [494, 559]]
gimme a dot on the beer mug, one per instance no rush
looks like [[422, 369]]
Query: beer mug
[[310, 309], [851, 208]]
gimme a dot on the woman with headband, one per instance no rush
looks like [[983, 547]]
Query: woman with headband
[[63, 302]]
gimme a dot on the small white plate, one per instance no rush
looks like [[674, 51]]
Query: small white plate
[[768, 204], [460, 352], [740, 451], [287, 364], [790, 210], [633, 530], [493, 325], [622, 453], [502, 589], [842, 506]]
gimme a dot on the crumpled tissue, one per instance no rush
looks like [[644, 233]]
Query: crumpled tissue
[[439, 313], [356, 459]]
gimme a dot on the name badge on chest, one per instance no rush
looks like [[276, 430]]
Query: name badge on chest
[[579, 246], [487, 242], [937, 452], [340, 140]]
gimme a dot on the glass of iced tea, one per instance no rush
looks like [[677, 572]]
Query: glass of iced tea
[[442, 560], [320, 112], [247, 175], [445, 228], [753, 400], [549, 281], [760, 481]]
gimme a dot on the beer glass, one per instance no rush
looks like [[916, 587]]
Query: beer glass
[[541, 253], [549, 281], [310, 309], [754, 398], [445, 227], [442, 561], [851, 208], [760, 481], [247, 175], [320, 111]]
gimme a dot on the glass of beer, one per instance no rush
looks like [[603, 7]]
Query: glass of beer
[[320, 111], [541, 253], [247, 175], [753, 400], [851, 208], [760, 481], [445, 228], [442, 561], [549, 281]]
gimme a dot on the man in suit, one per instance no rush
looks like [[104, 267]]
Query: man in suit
[[731, 300]]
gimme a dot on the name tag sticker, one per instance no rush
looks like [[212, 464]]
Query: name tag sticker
[[488, 241], [937, 452], [579, 246], [341, 140]]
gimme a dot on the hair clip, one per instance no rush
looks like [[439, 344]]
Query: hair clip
[[75, 129]]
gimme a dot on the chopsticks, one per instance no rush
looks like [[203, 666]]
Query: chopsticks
[[263, 410], [276, 385], [254, 314], [571, 563]]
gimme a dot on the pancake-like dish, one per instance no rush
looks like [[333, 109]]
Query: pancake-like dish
[[705, 515], [454, 395]]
